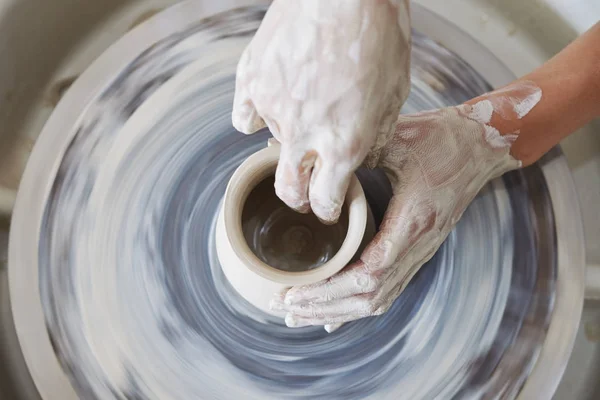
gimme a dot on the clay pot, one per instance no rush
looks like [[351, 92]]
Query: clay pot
[[264, 247]]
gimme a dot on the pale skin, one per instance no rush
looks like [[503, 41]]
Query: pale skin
[[437, 162], [308, 74]]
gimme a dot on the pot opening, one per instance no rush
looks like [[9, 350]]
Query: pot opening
[[285, 239]]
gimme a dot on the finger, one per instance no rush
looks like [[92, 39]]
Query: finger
[[406, 223], [356, 306], [354, 279], [293, 320], [292, 177], [244, 116], [333, 327], [409, 216], [395, 286], [328, 186], [273, 127], [367, 274], [413, 253], [333, 314]]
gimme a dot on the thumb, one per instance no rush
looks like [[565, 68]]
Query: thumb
[[408, 218]]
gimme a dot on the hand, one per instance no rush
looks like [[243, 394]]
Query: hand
[[437, 162], [328, 78]]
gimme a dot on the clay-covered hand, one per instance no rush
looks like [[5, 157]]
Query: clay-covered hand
[[437, 162], [328, 78]]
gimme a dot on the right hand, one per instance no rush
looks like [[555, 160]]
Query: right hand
[[437, 162], [328, 78]]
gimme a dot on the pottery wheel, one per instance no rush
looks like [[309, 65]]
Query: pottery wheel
[[133, 297]]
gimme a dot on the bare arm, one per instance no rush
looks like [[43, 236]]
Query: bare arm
[[570, 83]]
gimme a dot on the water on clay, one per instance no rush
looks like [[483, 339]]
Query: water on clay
[[136, 303], [287, 240]]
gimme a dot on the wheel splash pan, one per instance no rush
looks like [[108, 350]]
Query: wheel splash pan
[[131, 296]]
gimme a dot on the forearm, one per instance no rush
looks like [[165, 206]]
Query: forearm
[[570, 87]]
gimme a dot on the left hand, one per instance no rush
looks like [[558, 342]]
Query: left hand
[[328, 77], [437, 162]]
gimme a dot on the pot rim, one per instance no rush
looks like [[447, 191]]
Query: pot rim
[[254, 170]]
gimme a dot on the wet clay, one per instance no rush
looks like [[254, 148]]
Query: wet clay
[[285, 239]]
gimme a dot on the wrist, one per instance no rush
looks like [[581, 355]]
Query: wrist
[[571, 85]]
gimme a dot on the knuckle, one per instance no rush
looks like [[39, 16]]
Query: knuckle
[[312, 311], [367, 282]]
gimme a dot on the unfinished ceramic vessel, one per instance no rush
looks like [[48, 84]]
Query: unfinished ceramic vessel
[[264, 247]]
